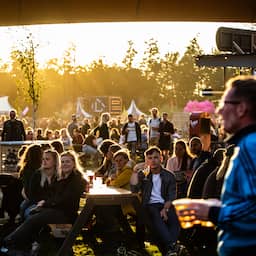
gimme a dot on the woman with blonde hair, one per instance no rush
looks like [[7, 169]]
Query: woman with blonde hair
[[41, 182], [61, 207]]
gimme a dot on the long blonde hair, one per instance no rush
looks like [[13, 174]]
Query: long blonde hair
[[74, 157]]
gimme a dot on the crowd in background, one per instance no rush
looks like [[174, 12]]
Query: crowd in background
[[112, 147]]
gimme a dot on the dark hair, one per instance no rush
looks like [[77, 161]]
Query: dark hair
[[187, 154], [89, 140], [31, 159], [152, 149], [103, 147], [22, 150], [218, 154], [47, 132], [245, 89], [39, 131], [46, 146], [197, 139], [225, 162], [58, 146], [114, 148]]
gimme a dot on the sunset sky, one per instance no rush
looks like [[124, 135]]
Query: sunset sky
[[109, 40]]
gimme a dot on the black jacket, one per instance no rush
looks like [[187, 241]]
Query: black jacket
[[103, 130], [137, 130], [13, 130], [67, 193], [199, 177], [145, 185], [35, 192]]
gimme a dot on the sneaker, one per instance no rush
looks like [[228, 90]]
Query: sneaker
[[35, 249], [121, 251], [177, 249], [172, 253], [3, 251], [12, 252]]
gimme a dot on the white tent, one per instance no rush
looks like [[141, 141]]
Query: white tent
[[5, 106], [80, 111], [134, 110]]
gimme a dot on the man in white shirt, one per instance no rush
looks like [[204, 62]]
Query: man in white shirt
[[158, 187], [153, 126], [132, 133]]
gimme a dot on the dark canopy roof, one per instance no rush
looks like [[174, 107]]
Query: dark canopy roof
[[21, 12]]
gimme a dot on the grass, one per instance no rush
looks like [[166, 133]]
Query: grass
[[82, 249]]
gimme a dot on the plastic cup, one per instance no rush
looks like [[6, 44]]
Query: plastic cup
[[98, 182], [187, 218], [90, 175]]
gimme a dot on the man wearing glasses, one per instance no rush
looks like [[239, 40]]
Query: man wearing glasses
[[235, 214]]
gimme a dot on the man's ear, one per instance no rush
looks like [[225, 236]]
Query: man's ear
[[242, 109]]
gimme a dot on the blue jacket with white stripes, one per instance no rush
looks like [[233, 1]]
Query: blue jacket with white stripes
[[237, 216]]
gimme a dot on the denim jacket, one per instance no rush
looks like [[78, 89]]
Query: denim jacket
[[145, 184]]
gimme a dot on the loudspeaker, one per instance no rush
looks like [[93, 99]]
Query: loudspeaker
[[205, 125], [199, 125]]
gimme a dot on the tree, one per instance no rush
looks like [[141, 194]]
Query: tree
[[28, 65], [169, 66], [151, 60], [69, 60], [151, 67], [130, 55], [188, 79]]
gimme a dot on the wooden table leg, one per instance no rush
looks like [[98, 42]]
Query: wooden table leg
[[80, 222]]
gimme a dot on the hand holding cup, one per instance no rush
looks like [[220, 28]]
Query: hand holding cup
[[194, 211]]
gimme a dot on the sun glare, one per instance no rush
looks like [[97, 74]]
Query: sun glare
[[108, 41]]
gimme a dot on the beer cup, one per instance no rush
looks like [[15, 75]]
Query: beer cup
[[186, 212]]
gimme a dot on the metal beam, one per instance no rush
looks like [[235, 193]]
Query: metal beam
[[23, 12], [227, 60]]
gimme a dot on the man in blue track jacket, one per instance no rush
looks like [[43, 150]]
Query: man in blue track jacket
[[235, 215]]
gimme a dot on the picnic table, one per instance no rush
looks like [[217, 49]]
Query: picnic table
[[99, 196]]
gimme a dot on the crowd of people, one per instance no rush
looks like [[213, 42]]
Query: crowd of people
[[148, 157], [84, 135]]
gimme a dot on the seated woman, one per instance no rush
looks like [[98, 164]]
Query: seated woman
[[29, 163], [60, 208], [123, 170], [106, 167], [41, 182], [90, 149], [110, 218], [179, 164]]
